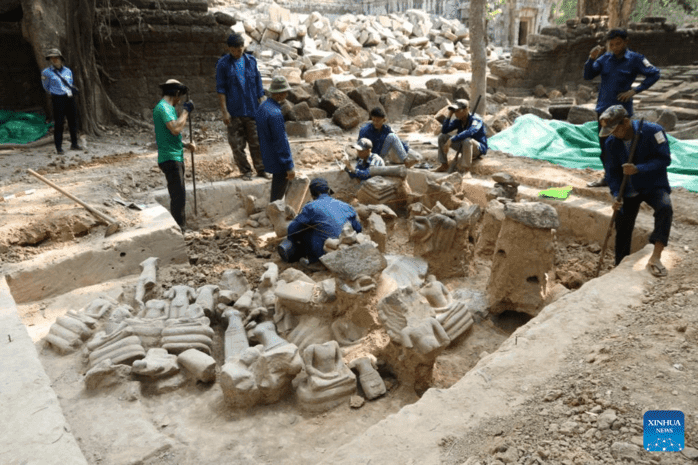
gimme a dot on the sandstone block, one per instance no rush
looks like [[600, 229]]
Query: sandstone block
[[314, 74], [333, 99], [365, 97], [580, 115], [292, 75], [302, 129], [431, 107], [349, 116], [352, 262], [301, 112], [539, 112]]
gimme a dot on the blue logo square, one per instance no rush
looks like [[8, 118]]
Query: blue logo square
[[663, 430]]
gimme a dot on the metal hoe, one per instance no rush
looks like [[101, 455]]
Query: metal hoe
[[619, 198]]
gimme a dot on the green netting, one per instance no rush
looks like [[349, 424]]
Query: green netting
[[21, 128], [577, 146]]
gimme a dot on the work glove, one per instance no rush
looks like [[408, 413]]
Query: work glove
[[189, 106]]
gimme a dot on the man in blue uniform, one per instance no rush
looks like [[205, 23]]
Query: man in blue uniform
[[239, 87], [618, 69], [647, 180], [365, 159], [385, 142], [470, 137], [320, 219], [271, 127]]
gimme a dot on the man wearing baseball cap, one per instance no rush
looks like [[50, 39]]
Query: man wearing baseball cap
[[240, 91], [319, 220], [470, 137], [618, 69], [364, 160], [385, 143], [57, 80], [647, 180], [273, 141]]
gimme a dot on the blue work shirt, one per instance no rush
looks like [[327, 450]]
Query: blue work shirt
[[652, 157], [618, 75], [320, 219], [273, 142], [241, 98], [376, 137], [472, 128], [361, 171], [53, 84]]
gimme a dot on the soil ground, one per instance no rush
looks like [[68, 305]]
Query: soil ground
[[647, 360]]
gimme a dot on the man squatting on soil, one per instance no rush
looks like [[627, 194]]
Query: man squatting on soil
[[240, 91], [470, 137], [385, 142], [319, 220], [618, 69], [168, 136], [57, 80], [647, 181], [271, 127]]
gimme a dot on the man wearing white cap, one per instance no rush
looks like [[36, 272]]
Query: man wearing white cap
[[647, 180], [273, 141], [470, 137], [364, 160]]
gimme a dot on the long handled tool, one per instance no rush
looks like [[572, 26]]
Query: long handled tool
[[112, 224], [619, 198], [193, 167], [454, 165]]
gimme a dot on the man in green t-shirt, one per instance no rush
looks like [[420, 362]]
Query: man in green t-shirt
[[168, 136]]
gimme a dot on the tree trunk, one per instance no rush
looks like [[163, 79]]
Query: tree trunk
[[619, 12], [478, 54], [69, 26]]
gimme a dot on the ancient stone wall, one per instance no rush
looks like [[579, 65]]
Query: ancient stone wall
[[140, 49], [557, 55], [20, 80]]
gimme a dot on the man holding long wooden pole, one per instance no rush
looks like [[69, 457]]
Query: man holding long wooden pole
[[646, 181], [168, 135]]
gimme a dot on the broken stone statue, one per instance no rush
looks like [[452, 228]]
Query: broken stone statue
[[371, 382], [156, 364], [147, 280], [326, 381]]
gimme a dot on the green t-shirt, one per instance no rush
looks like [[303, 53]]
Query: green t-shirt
[[169, 146]]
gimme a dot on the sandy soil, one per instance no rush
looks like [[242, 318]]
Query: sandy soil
[[626, 368]]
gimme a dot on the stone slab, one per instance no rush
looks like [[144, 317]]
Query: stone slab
[[33, 430]]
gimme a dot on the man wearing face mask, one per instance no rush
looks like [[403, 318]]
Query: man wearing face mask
[[618, 69], [57, 80], [240, 91]]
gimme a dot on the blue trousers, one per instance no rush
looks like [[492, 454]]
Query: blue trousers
[[660, 201]]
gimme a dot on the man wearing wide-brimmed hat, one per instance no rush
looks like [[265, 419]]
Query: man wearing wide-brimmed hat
[[57, 80], [271, 127], [239, 87], [168, 135]]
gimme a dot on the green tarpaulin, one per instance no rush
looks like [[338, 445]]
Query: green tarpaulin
[[577, 146], [21, 128]]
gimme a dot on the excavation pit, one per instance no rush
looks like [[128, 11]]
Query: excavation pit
[[140, 413]]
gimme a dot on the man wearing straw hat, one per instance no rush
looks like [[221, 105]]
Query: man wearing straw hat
[[168, 136], [273, 142], [57, 80]]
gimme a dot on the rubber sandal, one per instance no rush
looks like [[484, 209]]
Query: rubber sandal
[[656, 269], [600, 183]]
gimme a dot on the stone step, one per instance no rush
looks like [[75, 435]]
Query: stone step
[[681, 112]]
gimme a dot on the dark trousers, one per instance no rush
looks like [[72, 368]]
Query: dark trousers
[[660, 201], [174, 173], [243, 131], [602, 142], [279, 182], [64, 107]]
